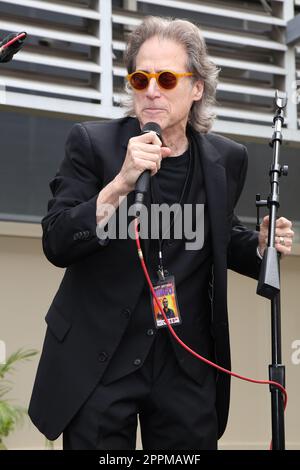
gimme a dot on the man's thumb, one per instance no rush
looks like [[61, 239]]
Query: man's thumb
[[265, 221]]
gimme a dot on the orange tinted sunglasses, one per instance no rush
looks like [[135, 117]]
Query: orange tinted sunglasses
[[166, 79]]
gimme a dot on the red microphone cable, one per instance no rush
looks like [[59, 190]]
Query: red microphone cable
[[191, 351]]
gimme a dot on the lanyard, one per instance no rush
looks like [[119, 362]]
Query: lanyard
[[157, 199]]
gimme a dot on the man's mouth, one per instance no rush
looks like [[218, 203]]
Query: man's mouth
[[154, 109]]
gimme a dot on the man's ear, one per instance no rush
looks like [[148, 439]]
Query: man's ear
[[198, 90]]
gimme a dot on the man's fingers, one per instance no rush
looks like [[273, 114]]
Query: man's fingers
[[283, 249], [149, 138], [283, 241], [283, 232], [143, 160], [283, 222], [138, 147], [165, 152]]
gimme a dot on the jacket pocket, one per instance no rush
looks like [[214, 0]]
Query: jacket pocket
[[58, 325]]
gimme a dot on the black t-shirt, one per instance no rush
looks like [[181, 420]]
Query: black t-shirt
[[169, 186], [171, 177]]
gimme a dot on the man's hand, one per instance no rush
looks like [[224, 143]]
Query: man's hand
[[283, 235], [144, 152]]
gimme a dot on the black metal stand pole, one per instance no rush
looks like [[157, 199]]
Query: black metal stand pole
[[277, 373], [269, 280]]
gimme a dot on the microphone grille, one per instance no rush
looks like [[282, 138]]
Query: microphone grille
[[152, 126]]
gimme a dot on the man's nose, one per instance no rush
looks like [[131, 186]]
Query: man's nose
[[153, 89]]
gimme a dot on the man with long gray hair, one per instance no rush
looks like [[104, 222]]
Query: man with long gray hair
[[105, 358]]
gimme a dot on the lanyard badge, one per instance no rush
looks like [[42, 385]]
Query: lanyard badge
[[165, 291]]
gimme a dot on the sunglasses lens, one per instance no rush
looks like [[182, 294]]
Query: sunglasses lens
[[139, 81], [167, 80]]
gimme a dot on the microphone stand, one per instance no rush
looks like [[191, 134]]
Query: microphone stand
[[269, 279]]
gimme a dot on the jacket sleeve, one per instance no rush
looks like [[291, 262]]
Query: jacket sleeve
[[69, 228], [242, 256]]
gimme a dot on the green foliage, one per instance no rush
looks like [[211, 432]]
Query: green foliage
[[10, 414]]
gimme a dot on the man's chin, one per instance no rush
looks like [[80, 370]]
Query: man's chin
[[157, 118]]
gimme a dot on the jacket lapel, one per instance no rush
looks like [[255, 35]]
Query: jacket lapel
[[216, 193], [216, 196]]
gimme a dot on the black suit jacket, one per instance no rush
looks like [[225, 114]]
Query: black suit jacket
[[102, 283]]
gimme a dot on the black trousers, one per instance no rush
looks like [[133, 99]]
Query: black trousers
[[175, 412]]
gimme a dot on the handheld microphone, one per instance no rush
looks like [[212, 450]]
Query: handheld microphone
[[142, 183], [10, 45]]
